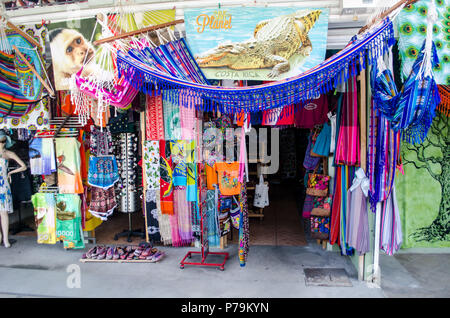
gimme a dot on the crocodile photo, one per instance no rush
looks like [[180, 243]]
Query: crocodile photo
[[274, 41]]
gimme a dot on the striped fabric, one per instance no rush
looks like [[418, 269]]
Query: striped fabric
[[12, 102], [348, 144], [384, 149]]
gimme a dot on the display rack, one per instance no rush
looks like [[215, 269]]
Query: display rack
[[204, 253], [128, 198]]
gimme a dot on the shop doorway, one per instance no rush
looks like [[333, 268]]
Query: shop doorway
[[282, 223]]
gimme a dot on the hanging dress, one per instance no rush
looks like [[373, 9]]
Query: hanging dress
[[6, 203]]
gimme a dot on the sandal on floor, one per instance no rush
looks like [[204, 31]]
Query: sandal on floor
[[89, 253], [157, 256], [138, 251], [147, 252], [95, 253], [130, 255], [101, 253], [110, 253], [116, 254]]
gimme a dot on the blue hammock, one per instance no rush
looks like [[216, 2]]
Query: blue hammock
[[151, 75], [412, 110]]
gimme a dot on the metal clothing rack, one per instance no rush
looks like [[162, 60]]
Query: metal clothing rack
[[127, 206], [204, 253]]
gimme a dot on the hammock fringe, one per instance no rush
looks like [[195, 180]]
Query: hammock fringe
[[297, 90]]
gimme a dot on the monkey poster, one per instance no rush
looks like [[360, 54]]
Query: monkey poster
[[71, 47]]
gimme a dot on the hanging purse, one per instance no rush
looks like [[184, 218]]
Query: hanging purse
[[317, 184], [320, 227], [321, 206], [261, 199]]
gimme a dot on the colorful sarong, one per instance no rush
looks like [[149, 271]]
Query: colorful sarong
[[69, 165], [154, 118], [166, 178], [45, 217], [348, 144], [171, 107], [103, 172]]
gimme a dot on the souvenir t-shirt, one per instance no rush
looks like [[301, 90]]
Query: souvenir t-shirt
[[211, 176], [44, 216], [68, 221], [228, 177], [313, 113]]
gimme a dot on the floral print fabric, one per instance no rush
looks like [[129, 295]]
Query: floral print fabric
[[152, 163]]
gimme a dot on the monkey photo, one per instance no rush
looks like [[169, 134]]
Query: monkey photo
[[70, 50]]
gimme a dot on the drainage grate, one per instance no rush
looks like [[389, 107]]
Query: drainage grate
[[330, 277]]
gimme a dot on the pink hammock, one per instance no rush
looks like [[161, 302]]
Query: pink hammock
[[123, 94]]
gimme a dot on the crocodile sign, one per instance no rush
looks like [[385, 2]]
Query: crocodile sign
[[270, 43]]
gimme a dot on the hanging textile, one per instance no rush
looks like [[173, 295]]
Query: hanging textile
[[323, 142], [312, 113], [171, 107], [103, 171], [154, 117], [100, 141], [419, 97], [151, 156], [348, 144], [165, 229], [44, 217], [147, 74], [283, 116], [151, 210], [383, 154], [444, 106], [183, 213], [391, 237], [68, 221], [166, 178], [191, 172], [187, 122], [38, 117], [212, 220], [103, 202], [358, 236], [12, 101], [338, 226], [244, 229], [42, 156], [69, 169]]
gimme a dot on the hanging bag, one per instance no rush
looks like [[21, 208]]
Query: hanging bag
[[320, 227], [261, 199], [321, 206], [317, 183]]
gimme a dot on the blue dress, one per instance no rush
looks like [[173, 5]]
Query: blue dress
[[5, 189]]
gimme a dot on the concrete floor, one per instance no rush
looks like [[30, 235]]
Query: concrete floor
[[32, 270]]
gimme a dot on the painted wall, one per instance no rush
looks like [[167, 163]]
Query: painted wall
[[423, 191]]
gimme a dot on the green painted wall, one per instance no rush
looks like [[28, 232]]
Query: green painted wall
[[423, 192]]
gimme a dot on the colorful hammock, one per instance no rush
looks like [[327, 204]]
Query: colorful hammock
[[151, 76], [12, 101], [418, 101]]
